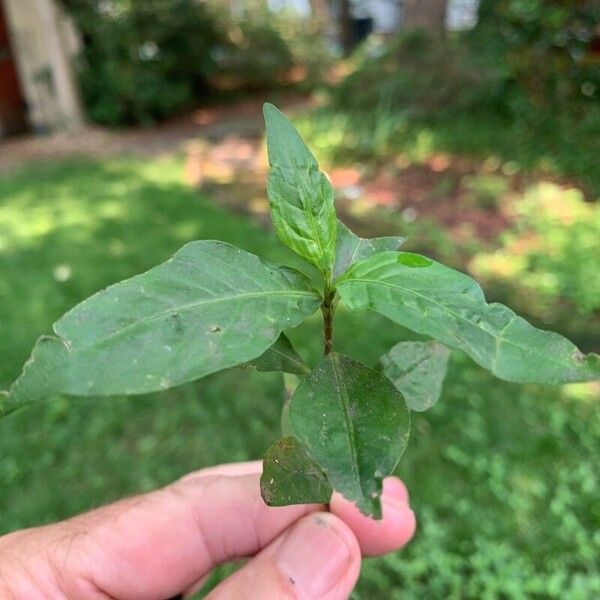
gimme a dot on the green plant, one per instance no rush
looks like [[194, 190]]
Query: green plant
[[546, 48], [485, 191], [547, 251], [142, 61], [269, 49], [214, 306], [258, 59]]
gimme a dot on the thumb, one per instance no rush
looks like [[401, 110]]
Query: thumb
[[318, 558]]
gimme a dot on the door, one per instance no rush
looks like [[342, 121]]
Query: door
[[12, 105]]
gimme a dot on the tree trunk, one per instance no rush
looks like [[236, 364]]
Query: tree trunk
[[425, 14], [60, 63], [345, 27]]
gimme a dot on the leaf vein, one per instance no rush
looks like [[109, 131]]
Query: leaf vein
[[349, 425], [497, 338], [187, 307]]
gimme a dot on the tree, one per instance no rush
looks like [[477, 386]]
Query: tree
[[345, 26]]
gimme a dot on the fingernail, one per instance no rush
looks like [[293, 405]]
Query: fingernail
[[315, 555]]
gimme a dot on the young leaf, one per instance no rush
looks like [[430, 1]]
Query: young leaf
[[300, 196], [449, 306], [211, 306], [350, 248], [417, 369], [291, 476], [281, 356], [354, 423]]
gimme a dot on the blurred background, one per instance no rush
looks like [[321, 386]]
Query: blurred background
[[128, 128]]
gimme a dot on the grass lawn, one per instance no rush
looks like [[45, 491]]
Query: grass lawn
[[504, 478]]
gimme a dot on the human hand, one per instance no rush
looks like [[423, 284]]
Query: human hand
[[158, 545]]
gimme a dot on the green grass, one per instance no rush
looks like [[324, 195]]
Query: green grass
[[504, 478]]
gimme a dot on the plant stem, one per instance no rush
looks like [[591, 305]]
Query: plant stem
[[328, 310]]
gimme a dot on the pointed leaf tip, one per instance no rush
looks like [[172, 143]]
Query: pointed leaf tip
[[450, 307], [268, 107], [354, 424], [280, 356], [301, 197], [183, 317]]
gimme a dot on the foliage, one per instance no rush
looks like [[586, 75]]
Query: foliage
[[373, 420], [547, 47], [442, 303], [175, 323], [300, 196], [305, 35], [213, 306], [267, 49], [417, 96], [257, 57], [549, 251], [417, 369], [290, 474], [142, 61], [485, 191], [503, 477]]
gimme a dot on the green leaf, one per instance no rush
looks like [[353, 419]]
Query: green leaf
[[350, 248], [449, 306], [211, 306], [281, 356], [290, 383], [417, 369], [291, 476], [300, 196], [354, 423]]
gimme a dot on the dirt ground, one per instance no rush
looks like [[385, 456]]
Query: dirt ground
[[171, 136]]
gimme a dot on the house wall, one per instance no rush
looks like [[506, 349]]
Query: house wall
[[45, 44]]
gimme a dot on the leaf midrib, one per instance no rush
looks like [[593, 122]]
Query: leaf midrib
[[412, 367], [307, 211], [496, 338], [343, 397], [185, 308], [355, 252], [313, 225]]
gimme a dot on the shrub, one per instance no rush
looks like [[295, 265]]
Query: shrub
[[547, 47], [257, 58], [460, 95], [268, 49], [549, 252], [143, 60]]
